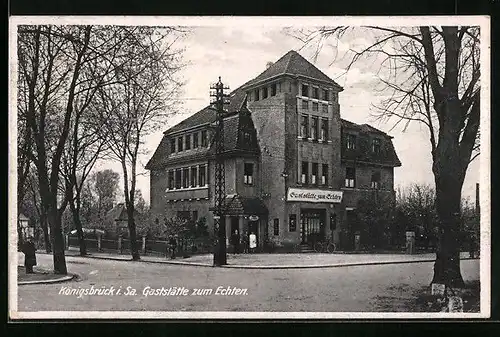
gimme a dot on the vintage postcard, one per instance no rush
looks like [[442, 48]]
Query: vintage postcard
[[249, 167]]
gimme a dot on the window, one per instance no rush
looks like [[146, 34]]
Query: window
[[276, 226], [195, 140], [305, 172], [324, 129], [247, 138], [171, 180], [304, 125], [325, 95], [172, 145], [264, 92], [376, 145], [204, 139], [178, 175], [324, 175], [292, 223], [305, 105], [248, 174], [256, 94], [351, 142], [314, 128], [202, 178], [350, 177], [315, 106], [375, 183], [195, 216], [324, 108], [194, 176], [180, 144], [185, 177], [188, 142], [305, 90], [273, 89], [335, 97], [184, 215], [314, 173], [315, 93]]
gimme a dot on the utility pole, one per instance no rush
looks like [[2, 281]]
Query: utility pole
[[219, 99]]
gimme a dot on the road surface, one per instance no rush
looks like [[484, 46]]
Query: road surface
[[375, 288]]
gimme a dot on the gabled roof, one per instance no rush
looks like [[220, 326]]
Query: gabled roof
[[234, 124], [365, 128], [119, 213], [363, 152], [292, 63]]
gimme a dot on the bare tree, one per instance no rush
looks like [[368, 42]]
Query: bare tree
[[146, 95], [431, 76], [60, 70]]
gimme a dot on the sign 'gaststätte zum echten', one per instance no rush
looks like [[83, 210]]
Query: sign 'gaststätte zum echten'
[[299, 194]]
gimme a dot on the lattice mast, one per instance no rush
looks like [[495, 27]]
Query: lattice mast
[[219, 99]]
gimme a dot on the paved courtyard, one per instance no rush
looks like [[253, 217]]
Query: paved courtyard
[[372, 288]]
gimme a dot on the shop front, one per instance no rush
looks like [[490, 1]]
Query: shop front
[[318, 211]]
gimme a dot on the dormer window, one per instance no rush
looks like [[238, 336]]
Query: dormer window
[[204, 138], [180, 144], [305, 90], [376, 146], [195, 140], [315, 93], [273, 89], [246, 137], [351, 142], [325, 95], [264, 93]]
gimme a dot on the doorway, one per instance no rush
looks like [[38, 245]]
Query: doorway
[[312, 225]]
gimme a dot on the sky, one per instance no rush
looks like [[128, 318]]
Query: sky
[[238, 53]]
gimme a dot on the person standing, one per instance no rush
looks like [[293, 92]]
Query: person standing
[[172, 242], [253, 242], [29, 251], [235, 240], [244, 241]]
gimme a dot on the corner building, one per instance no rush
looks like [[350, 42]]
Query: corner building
[[295, 170]]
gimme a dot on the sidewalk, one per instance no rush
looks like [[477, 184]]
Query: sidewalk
[[278, 261]]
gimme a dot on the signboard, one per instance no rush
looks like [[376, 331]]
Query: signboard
[[253, 217], [307, 195]]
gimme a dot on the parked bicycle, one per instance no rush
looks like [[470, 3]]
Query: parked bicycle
[[325, 246]]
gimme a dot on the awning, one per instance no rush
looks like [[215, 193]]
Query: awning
[[238, 205]]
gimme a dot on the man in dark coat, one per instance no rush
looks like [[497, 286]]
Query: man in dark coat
[[172, 242], [29, 255]]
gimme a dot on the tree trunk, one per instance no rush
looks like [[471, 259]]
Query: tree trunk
[[133, 233], [78, 225], [45, 229], [55, 222], [448, 196]]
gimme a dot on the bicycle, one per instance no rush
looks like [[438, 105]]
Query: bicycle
[[325, 247]]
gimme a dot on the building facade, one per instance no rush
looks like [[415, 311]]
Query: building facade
[[295, 170]]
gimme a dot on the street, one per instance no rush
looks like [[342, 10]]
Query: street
[[150, 287]]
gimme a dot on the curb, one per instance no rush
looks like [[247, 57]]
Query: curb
[[64, 278], [236, 266]]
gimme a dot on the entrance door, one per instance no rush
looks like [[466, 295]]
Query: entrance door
[[313, 225], [235, 225]]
